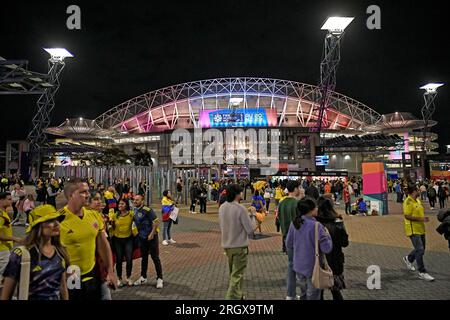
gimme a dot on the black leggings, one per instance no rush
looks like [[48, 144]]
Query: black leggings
[[123, 247], [151, 247], [192, 208], [441, 203]]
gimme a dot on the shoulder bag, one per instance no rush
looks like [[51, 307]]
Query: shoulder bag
[[321, 278]]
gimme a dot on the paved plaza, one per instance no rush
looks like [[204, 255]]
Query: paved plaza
[[196, 266]]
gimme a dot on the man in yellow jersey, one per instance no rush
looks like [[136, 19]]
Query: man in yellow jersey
[[83, 234], [6, 232], [414, 219]]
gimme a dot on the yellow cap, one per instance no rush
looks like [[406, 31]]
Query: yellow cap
[[43, 213]]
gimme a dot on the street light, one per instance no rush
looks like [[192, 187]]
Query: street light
[[37, 137], [337, 24], [329, 65], [58, 53], [427, 113]]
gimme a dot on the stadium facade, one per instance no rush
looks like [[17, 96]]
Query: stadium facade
[[352, 131]]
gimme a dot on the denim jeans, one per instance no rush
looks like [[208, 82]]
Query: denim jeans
[[308, 292], [418, 242], [166, 229], [290, 277]]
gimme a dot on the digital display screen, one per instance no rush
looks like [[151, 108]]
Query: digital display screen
[[322, 160], [238, 118]]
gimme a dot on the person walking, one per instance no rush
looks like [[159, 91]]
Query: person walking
[[28, 205], [83, 234], [287, 211], [202, 198], [423, 192], [167, 207], [236, 227], [121, 225], [267, 196], [312, 191], [18, 197], [193, 192], [300, 239], [179, 189], [347, 200], [41, 194], [442, 195], [331, 220], [147, 224], [52, 192], [432, 196], [48, 258], [414, 221]]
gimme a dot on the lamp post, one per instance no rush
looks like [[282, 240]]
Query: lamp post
[[41, 120], [427, 113], [329, 65]]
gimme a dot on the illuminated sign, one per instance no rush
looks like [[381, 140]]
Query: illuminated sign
[[238, 118], [322, 160]]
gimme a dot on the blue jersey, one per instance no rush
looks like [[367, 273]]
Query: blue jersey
[[45, 273], [144, 217]]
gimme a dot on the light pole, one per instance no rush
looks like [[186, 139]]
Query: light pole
[[329, 64], [37, 137], [427, 113]]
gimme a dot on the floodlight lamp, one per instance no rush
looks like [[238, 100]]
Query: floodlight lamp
[[337, 24], [236, 101], [431, 87], [58, 53], [81, 119]]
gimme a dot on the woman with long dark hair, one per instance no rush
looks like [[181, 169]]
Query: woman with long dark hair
[[168, 206], [48, 258], [335, 225], [122, 223], [301, 239]]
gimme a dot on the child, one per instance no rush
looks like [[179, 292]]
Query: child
[[28, 205], [362, 206]]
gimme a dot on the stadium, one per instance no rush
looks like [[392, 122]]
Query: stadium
[[352, 132]]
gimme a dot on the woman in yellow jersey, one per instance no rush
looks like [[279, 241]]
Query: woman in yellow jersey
[[122, 223], [96, 204]]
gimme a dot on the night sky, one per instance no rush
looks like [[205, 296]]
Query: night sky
[[124, 50]]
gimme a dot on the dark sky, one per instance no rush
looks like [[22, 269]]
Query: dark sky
[[127, 49]]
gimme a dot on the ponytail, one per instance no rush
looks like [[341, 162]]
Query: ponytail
[[304, 206]]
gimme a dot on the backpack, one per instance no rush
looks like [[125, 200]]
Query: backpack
[[431, 192]]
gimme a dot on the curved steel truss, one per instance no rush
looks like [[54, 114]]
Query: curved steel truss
[[180, 105]]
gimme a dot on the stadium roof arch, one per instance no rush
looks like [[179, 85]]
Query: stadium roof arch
[[179, 106]]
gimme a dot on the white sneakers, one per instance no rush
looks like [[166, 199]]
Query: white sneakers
[[422, 275], [409, 265], [159, 283], [167, 242], [292, 298], [425, 276], [140, 281]]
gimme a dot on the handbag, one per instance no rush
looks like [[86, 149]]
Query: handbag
[[24, 283], [322, 278]]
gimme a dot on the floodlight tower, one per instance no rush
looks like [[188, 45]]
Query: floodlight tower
[[41, 120], [427, 113], [329, 65], [428, 109]]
